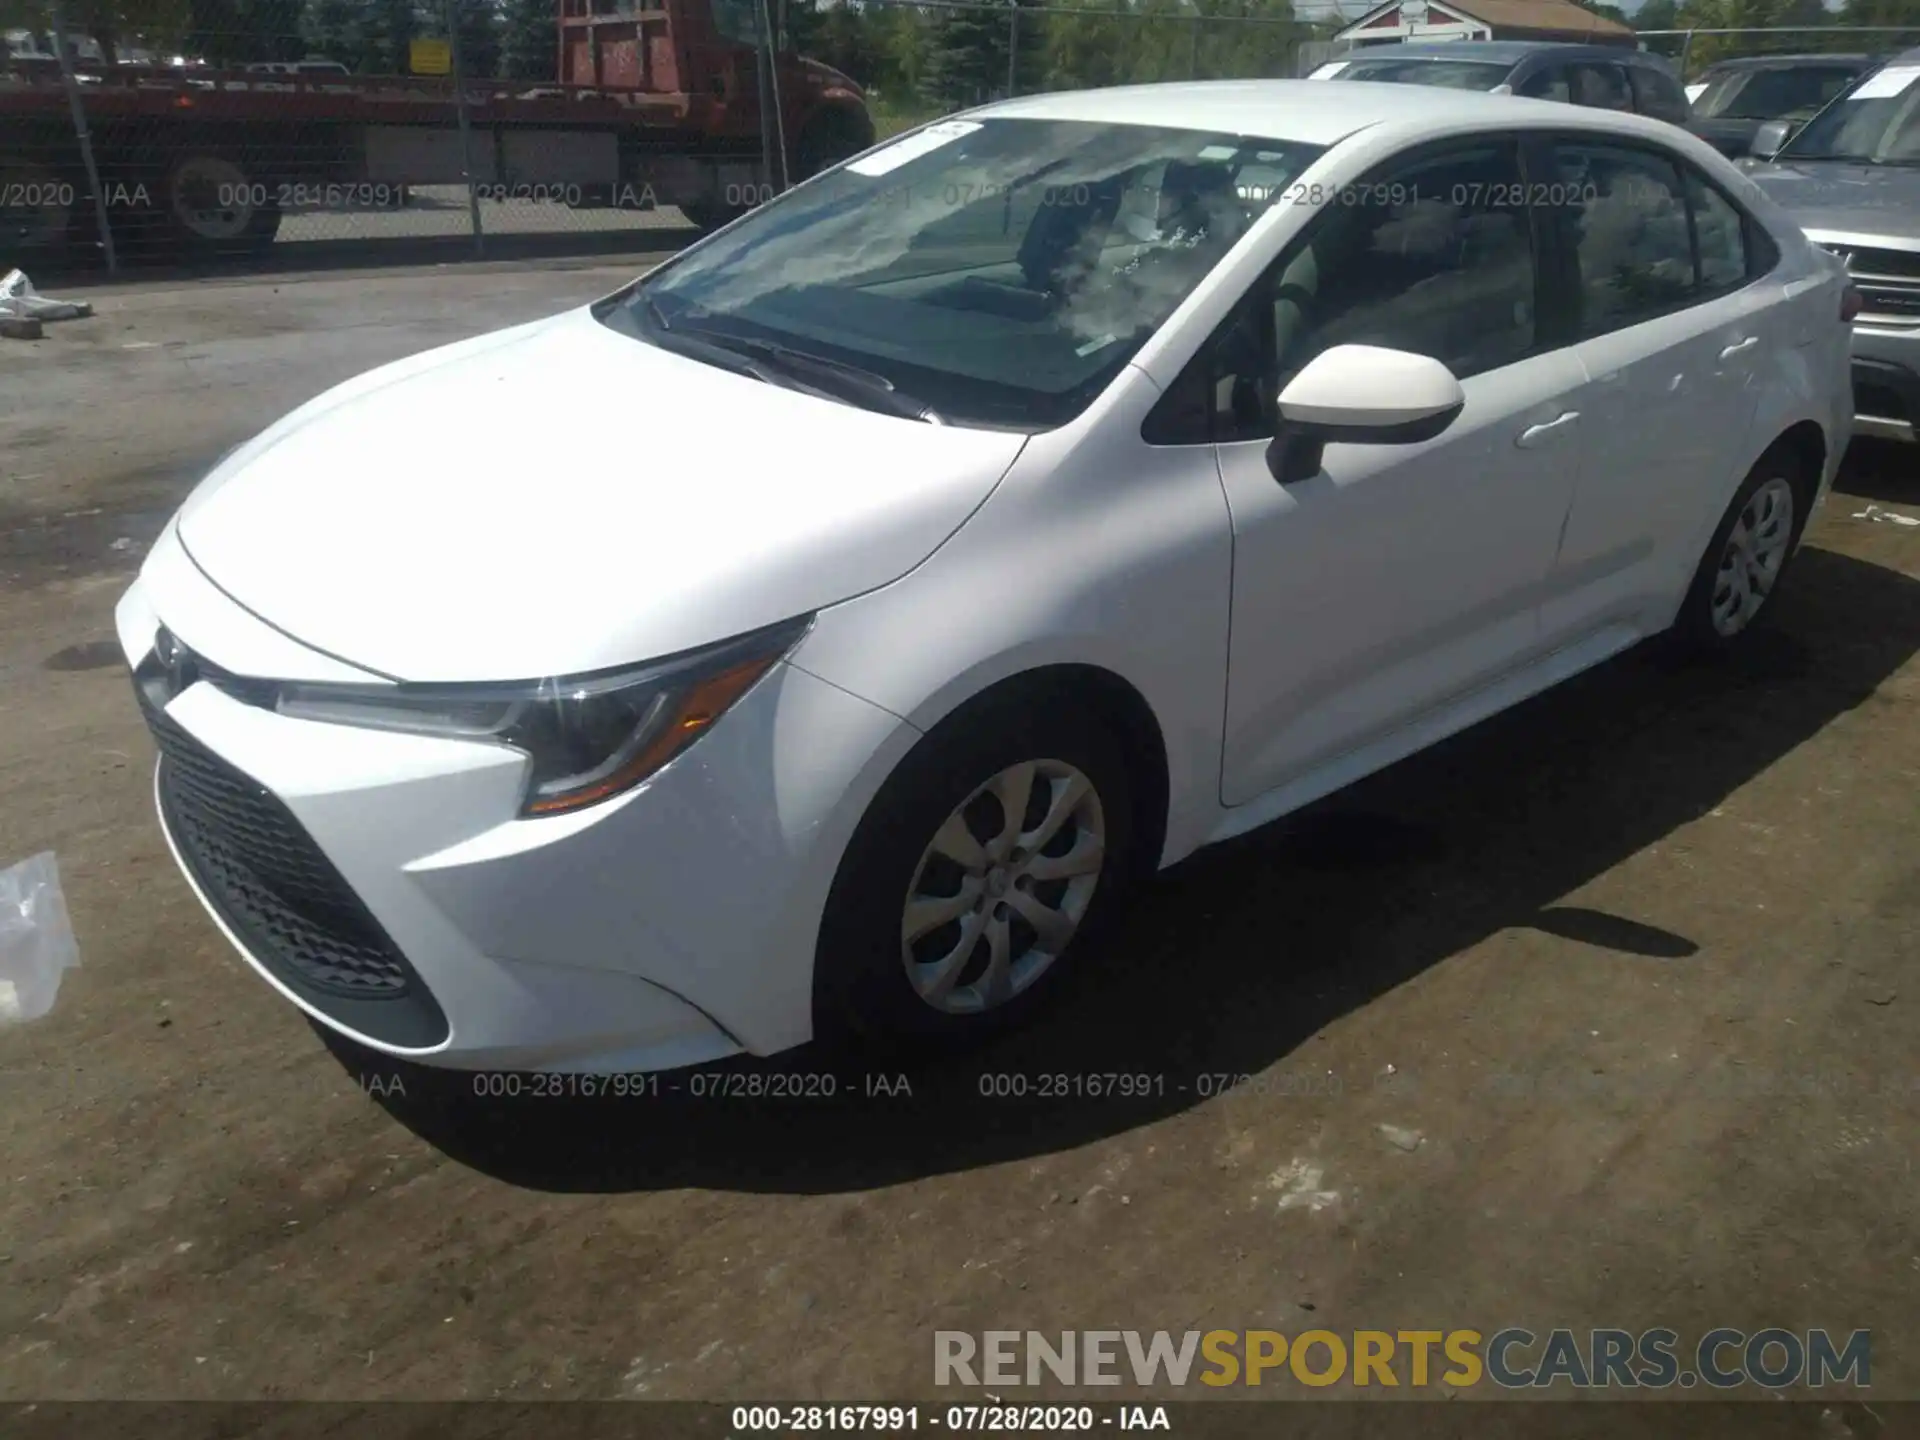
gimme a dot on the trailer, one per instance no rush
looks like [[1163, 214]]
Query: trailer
[[666, 105]]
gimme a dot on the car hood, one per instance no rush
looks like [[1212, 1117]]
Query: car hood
[[1833, 197], [559, 498]]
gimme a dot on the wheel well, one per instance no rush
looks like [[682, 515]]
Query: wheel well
[[1125, 710], [1807, 443]]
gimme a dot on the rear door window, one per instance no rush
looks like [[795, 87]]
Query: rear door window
[[1600, 86], [1632, 237], [1657, 94], [1550, 82]]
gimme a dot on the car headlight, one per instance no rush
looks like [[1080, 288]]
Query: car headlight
[[589, 737]]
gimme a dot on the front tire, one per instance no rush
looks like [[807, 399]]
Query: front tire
[[984, 871], [1741, 571]]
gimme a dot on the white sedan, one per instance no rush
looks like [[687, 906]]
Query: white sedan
[[948, 545]]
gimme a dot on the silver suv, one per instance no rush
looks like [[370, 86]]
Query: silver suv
[[1851, 179]]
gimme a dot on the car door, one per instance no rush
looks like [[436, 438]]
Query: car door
[[1657, 269], [1399, 577]]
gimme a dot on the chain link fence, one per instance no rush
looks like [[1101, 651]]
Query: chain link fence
[[335, 128], [1692, 51]]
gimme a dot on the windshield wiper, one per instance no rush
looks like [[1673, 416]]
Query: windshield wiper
[[867, 383], [783, 365]]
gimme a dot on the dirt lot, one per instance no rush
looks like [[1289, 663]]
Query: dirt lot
[[1632, 972]]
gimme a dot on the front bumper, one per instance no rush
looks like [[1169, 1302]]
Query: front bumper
[[383, 883], [1886, 384]]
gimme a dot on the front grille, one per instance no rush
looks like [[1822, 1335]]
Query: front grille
[[271, 884], [1869, 262], [1888, 282], [265, 875]]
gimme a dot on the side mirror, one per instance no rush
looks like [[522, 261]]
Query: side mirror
[[1360, 395], [1770, 139]]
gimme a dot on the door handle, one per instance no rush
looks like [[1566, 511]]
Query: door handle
[[1739, 347], [1534, 434]]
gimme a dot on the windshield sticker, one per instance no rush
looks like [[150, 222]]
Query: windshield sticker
[[1694, 92], [1217, 152], [1891, 81], [921, 142], [1328, 71], [1098, 343]]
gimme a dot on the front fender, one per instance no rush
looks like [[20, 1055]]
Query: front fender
[[1095, 550]]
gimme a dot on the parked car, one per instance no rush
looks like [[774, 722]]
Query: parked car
[[1009, 512], [1604, 77], [297, 67], [1734, 98], [1851, 179]]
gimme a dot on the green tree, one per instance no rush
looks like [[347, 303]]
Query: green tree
[[477, 27], [1903, 13], [967, 55], [848, 41], [239, 32], [902, 35], [801, 23], [1768, 26], [387, 32], [530, 40], [331, 29]]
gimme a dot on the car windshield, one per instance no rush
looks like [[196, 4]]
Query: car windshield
[[993, 272], [1448, 74], [1876, 123], [1770, 93]]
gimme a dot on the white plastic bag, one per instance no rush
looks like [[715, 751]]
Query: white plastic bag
[[36, 938], [19, 298]]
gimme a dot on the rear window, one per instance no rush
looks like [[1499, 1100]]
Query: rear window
[[1447, 74]]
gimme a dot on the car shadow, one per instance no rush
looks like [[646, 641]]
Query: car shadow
[[1234, 957]]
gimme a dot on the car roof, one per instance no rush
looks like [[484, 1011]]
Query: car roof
[[1774, 62], [1485, 51], [1310, 112]]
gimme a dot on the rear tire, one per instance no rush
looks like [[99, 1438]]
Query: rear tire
[[1734, 586], [929, 939]]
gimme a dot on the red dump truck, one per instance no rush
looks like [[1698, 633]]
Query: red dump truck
[[653, 106]]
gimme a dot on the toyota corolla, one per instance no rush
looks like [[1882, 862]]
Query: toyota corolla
[[999, 516]]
